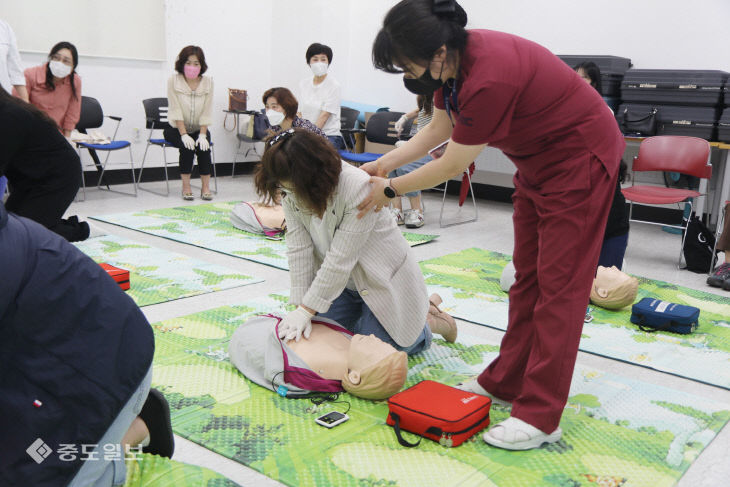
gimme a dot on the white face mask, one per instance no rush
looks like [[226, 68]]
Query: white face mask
[[275, 118], [319, 69], [59, 70]]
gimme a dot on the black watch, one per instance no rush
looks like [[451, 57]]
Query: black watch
[[389, 191]]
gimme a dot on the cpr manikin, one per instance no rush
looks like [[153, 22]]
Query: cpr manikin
[[330, 359]]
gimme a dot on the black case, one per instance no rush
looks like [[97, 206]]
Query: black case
[[674, 87], [677, 120], [723, 127], [612, 70]]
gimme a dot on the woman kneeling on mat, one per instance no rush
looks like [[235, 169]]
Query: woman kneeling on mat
[[360, 273]]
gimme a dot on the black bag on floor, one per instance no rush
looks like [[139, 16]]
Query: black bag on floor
[[698, 245]]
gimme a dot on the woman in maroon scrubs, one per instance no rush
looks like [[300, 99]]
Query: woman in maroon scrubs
[[497, 89]]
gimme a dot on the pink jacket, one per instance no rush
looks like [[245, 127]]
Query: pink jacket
[[60, 103]]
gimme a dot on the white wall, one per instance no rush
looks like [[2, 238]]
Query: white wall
[[255, 45]]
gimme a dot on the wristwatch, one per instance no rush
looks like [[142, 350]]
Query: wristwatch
[[389, 191]]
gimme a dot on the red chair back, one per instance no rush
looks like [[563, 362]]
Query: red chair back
[[674, 153]]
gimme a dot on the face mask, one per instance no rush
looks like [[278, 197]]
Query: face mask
[[319, 69], [275, 118], [59, 70], [425, 84], [191, 72]]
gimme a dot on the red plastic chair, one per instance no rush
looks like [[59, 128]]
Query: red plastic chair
[[685, 155]]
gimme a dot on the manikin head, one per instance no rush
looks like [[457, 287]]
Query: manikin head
[[613, 289], [375, 370]]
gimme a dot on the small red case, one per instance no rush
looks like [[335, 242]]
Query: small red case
[[121, 276], [438, 412]]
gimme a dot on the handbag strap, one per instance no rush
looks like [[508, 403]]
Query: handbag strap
[[651, 114], [396, 428], [235, 121], [650, 329]]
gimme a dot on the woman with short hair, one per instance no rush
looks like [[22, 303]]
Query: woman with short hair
[[281, 111]]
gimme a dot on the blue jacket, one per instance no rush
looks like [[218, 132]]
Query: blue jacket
[[73, 349]]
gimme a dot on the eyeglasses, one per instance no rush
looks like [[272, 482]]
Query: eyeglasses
[[281, 136]]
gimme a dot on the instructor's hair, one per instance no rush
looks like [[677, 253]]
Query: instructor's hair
[[414, 30], [303, 159]]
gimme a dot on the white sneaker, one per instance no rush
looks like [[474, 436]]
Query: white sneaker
[[473, 386], [397, 215], [515, 434], [414, 219]]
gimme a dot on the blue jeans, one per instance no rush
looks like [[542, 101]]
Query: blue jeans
[[350, 311], [613, 250], [337, 141], [101, 472], [412, 166]]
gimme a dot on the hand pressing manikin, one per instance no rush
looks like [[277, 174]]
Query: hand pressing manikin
[[296, 324], [188, 142], [203, 142]]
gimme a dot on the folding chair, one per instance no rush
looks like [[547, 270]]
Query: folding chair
[[243, 138], [155, 110], [685, 155], [380, 129], [348, 121], [92, 117], [465, 179]]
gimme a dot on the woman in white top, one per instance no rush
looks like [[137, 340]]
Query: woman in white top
[[190, 103], [360, 273], [319, 96]]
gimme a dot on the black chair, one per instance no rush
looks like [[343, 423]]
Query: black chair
[[348, 121], [380, 129], [243, 138], [92, 116], [155, 110]]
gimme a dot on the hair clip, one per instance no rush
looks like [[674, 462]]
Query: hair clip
[[281, 136]]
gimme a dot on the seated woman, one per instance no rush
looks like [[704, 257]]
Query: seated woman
[[55, 88], [360, 273], [43, 170], [281, 110], [329, 359], [75, 361], [721, 276]]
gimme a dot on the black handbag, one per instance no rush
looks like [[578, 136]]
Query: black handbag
[[632, 122], [698, 245], [258, 126]]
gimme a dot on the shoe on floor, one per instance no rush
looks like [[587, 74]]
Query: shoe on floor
[[397, 215], [188, 196], [206, 196], [473, 386], [156, 416], [515, 434], [414, 219], [721, 274]]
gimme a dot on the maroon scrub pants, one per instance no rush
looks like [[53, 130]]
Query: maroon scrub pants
[[558, 237]]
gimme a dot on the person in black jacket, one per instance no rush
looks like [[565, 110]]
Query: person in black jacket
[[75, 365], [616, 237], [43, 170]]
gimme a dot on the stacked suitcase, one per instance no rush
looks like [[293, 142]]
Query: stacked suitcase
[[687, 102], [612, 73]]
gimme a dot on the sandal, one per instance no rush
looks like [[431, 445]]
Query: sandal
[[440, 320], [188, 196], [515, 434], [205, 196], [156, 416]]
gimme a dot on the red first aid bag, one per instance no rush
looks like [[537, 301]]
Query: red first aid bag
[[438, 412], [121, 276]]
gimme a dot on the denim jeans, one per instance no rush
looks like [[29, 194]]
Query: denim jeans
[[410, 167], [613, 250], [337, 141], [350, 311], [101, 472]]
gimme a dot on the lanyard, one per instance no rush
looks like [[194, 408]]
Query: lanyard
[[448, 104]]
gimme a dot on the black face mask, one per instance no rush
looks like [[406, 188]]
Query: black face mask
[[425, 84]]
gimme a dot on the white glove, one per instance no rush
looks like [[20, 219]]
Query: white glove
[[203, 142], [296, 324], [188, 142], [400, 124]]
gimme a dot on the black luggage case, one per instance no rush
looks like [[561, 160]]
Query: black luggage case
[[674, 87], [676, 120], [612, 71], [723, 128]]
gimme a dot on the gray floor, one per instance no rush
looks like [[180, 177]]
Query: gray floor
[[651, 253]]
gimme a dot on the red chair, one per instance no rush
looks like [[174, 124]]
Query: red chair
[[685, 155]]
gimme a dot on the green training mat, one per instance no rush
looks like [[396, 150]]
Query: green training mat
[[158, 275], [208, 226], [145, 470], [468, 282], [615, 428]]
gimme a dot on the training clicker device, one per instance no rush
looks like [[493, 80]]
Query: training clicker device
[[331, 419]]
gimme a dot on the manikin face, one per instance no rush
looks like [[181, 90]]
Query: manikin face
[[365, 351]]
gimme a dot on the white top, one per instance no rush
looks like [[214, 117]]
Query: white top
[[194, 108], [11, 71], [314, 99]]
